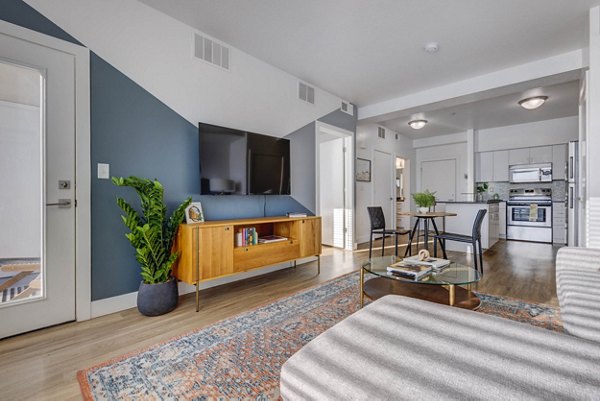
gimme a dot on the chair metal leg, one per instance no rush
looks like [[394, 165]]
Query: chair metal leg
[[382, 244], [396, 244], [442, 244], [370, 244], [474, 244], [480, 256]]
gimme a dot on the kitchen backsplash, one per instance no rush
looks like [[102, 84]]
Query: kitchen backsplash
[[559, 189]]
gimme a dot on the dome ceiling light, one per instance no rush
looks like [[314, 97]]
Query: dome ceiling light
[[417, 124], [532, 103]]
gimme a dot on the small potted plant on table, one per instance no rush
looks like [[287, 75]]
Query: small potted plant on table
[[424, 200], [152, 234]]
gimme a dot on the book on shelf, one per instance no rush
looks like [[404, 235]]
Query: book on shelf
[[436, 263], [246, 236], [296, 214], [267, 239], [408, 270]]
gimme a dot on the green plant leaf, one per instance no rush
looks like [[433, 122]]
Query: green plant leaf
[[150, 232]]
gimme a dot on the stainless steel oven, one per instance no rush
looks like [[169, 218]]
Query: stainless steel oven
[[529, 215]]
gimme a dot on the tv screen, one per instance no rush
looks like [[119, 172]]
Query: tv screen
[[239, 162]]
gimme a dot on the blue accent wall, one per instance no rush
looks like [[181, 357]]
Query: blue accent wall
[[20, 13], [139, 135]]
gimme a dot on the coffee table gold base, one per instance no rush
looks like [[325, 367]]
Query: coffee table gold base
[[453, 295]]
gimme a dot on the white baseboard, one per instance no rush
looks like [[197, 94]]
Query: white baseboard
[[127, 301]]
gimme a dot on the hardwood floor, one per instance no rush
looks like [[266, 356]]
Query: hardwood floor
[[42, 365]]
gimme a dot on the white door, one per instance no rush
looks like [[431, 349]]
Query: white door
[[439, 176], [37, 171], [335, 186], [331, 183], [384, 185]]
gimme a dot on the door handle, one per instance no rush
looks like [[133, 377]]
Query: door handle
[[62, 203]]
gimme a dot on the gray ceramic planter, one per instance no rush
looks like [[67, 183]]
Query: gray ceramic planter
[[157, 299]]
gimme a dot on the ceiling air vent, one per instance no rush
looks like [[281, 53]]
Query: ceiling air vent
[[381, 132], [347, 108], [306, 93], [211, 51]]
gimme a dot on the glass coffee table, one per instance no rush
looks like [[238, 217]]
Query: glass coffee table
[[441, 287]]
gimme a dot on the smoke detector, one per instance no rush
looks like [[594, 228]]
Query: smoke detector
[[432, 47]]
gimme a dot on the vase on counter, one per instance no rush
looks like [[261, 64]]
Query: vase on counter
[[423, 209], [479, 197]]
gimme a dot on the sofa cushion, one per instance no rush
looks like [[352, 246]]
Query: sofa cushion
[[404, 348], [578, 289]]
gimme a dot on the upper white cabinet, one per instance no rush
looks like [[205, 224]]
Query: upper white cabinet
[[540, 154], [500, 166], [559, 161], [484, 164], [494, 166], [518, 156]]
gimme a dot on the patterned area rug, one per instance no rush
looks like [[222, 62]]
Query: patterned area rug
[[240, 358]]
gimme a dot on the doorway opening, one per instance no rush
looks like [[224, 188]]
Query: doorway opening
[[335, 191], [402, 193]]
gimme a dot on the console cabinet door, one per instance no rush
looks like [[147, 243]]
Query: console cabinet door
[[216, 251], [310, 237]]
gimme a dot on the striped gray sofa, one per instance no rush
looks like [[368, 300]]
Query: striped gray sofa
[[578, 288], [399, 348]]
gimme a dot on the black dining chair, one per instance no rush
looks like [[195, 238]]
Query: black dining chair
[[378, 227], [474, 239]]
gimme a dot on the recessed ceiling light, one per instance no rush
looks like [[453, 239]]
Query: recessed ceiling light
[[431, 47], [417, 124], [532, 103]]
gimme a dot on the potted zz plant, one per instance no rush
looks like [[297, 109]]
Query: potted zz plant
[[424, 200], [152, 234]]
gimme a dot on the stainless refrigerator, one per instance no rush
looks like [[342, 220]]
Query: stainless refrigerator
[[572, 194]]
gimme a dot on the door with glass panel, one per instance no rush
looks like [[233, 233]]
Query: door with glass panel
[[37, 171]]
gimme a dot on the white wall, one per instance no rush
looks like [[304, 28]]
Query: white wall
[[20, 197], [155, 51], [541, 133], [367, 142], [453, 151]]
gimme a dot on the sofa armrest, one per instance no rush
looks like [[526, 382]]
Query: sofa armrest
[[578, 290]]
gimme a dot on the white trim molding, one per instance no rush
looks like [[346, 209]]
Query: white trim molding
[[81, 54], [127, 301]]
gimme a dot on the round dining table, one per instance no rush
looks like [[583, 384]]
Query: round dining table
[[426, 217]]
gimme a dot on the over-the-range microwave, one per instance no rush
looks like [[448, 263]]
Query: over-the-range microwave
[[531, 173]]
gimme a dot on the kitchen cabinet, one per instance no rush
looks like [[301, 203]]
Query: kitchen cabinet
[[500, 168], [559, 223], [540, 154], [502, 220], [518, 156], [559, 161], [485, 167]]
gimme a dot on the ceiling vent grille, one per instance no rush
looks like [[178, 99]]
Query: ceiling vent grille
[[211, 51], [381, 132], [347, 108], [306, 93]]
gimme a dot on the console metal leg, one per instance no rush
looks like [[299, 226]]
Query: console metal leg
[[294, 264], [318, 264]]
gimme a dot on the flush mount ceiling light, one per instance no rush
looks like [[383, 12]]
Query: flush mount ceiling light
[[532, 103], [417, 124]]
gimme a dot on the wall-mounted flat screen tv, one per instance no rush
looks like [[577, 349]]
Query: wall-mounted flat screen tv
[[240, 162]]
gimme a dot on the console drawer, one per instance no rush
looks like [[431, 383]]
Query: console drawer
[[251, 257]]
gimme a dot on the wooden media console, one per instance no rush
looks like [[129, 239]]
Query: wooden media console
[[208, 250]]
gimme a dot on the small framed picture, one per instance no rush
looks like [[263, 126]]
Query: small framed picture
[[363, 170], [193, 213]]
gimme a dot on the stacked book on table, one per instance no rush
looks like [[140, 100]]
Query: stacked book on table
[[412, 268]]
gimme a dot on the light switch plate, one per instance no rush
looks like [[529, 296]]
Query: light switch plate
[[103, 171]]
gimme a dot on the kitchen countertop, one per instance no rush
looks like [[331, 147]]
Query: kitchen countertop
[[475, 202]]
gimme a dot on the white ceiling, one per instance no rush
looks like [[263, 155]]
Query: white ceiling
[[563, 100], [369, 51]]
